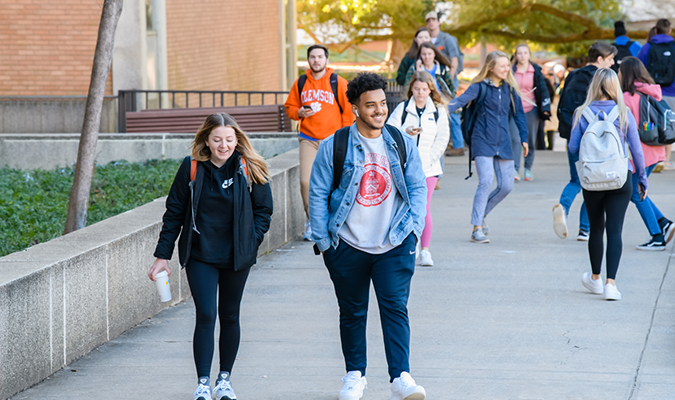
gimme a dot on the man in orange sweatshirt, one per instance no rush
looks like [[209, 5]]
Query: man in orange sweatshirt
[[318, 100]]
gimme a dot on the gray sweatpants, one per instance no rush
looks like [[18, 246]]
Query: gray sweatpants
[[484, 200], [516, 144]]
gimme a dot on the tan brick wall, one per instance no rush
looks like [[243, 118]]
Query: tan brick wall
[[223, 44], [47, 47]]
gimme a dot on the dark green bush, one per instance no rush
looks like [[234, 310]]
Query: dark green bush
[[34, 204]]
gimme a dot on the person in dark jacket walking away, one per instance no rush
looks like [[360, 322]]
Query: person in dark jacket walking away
[[624, 46], [490, 143], [575, 89], [607, 208], [536, 105], [653, 57], [636, 82], [422, 35], [221, 204], [367, 225]]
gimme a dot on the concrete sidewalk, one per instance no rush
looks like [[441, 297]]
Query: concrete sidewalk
[[506, 320]]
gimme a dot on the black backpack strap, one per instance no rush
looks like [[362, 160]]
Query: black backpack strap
[[340, 142], [334, 87], [404, 115], [400, 145], [301, 84], [436, 115]]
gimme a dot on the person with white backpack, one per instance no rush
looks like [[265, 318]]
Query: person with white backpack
[[603, 130], [424, 117]]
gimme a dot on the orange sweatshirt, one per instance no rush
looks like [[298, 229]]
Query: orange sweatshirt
[[319, 95]]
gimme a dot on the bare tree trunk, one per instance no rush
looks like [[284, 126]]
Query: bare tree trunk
[[79, 193]]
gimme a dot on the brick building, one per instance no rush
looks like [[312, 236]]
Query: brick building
[[47, 47]]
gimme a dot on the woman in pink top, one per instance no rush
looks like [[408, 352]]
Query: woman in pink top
[[636, 81], [536, 104]]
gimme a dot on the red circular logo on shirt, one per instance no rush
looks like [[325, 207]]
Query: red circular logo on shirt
[[375, 186]]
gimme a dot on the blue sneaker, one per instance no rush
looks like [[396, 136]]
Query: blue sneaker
[[203, 391], [223, 389], [308, 232]]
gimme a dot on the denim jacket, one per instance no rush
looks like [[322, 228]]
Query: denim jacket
[[327, 219]]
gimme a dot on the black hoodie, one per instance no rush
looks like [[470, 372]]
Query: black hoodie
[[216, 214], [573, 95], [251, 215]]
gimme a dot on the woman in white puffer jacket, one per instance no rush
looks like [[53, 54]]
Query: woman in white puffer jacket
[[424, 116]]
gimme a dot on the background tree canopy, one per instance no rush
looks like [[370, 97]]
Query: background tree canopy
[[565, 26]]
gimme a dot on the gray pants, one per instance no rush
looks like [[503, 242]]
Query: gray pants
[[484, 200], [516, 144]]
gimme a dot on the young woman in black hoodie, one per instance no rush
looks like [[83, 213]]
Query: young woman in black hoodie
[[221, 200]]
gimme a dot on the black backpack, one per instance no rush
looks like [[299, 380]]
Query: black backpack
[[661, 62], [623, 52], [469, 114], [340, 143], [657, 122], [333, 85], [572, 96]]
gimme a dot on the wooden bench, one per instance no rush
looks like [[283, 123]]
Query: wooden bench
[[271, 118]]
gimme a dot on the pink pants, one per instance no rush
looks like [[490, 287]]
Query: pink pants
[[428, 223]]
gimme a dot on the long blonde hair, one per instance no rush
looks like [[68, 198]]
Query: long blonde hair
[[489, 65], [255, 163], [424, 76], [605, 83]]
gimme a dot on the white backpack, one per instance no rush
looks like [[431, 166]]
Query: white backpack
[[603, 160]]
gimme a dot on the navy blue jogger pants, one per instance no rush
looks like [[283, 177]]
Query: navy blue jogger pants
[[351, 271]]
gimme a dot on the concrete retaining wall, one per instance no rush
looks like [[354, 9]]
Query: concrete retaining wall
[[48, 151], [58, 114], [61, 299]]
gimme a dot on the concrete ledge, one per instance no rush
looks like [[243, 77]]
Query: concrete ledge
[[50, 150], [61, 299]]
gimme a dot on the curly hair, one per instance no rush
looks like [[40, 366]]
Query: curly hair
[[364, 82]]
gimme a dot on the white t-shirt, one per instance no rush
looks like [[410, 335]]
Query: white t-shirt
[[366, 228], [434, 39]]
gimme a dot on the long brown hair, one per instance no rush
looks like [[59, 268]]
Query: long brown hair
[[438, 56], [255, 163], [424, 76], [632, 70], [414, 48]]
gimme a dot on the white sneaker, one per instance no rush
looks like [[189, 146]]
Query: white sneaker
[[223, 389], [353, 387], [308, 232], [405, 388], [559, 221], [425, 259], [594, 286], [203, 391], [611, 292]]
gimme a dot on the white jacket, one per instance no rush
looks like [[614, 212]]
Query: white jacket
[[434, 138]]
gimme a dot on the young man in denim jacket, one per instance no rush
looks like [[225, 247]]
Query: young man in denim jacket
[[369, 232]]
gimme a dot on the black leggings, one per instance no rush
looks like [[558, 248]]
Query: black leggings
[[606, 212], [206, 281]]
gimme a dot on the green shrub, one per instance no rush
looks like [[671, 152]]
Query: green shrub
[[34, 204]]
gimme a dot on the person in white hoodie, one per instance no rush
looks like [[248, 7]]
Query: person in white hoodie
[[424, 116]]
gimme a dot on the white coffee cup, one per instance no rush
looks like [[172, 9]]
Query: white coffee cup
[[162, 281]]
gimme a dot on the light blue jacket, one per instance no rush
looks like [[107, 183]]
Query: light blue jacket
[[326, 220]]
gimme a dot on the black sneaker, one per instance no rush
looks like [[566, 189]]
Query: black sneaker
[[668, 229], [582, 236], [653, 245]]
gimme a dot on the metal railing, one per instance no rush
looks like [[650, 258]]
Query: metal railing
[[136, 100]]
